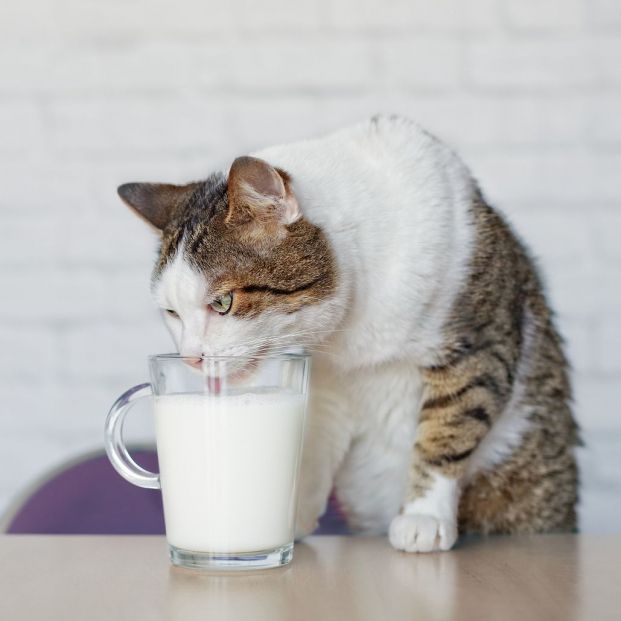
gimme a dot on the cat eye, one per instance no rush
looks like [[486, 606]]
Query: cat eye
[[222, 304], [171, 312]]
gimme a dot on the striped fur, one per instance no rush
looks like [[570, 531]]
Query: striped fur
[[487, 358]]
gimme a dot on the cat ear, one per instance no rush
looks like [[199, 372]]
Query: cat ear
[[154, 202], [259, 192]]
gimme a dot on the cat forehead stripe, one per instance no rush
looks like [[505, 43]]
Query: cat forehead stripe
[[180, 286]]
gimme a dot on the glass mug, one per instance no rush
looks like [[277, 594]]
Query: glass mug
[[229, 438]]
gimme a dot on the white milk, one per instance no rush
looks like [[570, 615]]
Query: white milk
[[228, 468]]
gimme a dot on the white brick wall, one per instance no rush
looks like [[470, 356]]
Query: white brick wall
[[96, 93]]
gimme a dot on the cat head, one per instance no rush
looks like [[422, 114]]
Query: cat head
[[240, 271]]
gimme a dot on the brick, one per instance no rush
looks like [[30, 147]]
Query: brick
[[337, 63], [128, 296], [28, 405], [542, 63], [596, 402], [68, 412], [405, 63], [462, 119], [87, 68], [77, 239], [600, 486], [138, 124], [133, 19], [604, 120], [497, 120], [22, 21], [21, 126], [533, 15], [607, 236], [109, 169], [29, 238], [277, 15], [32, 185], [480, 15], [570, 176], [43, 294], [119, 239], [84, 404], [105, 351], [29, 352], [599, 509], [27, 461], [558, 239], [599, 457], [605, 60], [25, 69], [604, 14], [585, 292], [609, 355], [411, 15], [165, 67], [605, 176], [264, 120], [580, 336]]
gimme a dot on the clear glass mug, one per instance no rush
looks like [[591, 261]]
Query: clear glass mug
[[229, 438]]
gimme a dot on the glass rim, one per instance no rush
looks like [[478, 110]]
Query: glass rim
[[274, 356]]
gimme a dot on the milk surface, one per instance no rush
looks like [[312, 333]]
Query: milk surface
[[228, 469]]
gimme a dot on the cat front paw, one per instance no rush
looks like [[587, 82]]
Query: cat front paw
[[422, 533]]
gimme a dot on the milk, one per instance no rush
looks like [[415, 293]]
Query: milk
[[228, 467]]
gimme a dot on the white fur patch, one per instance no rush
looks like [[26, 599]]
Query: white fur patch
[[428, 523], [395, 203], [383, 405], [184, 290]]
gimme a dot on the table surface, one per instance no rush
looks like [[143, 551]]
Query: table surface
[[346, 578]]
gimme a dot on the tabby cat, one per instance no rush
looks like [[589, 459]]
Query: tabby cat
[[440, 399]]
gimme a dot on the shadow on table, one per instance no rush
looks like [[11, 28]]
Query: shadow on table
[[486, 578]]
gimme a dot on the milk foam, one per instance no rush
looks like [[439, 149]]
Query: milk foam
[[228, 467]]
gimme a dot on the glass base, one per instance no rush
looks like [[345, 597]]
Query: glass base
[[263, 559]]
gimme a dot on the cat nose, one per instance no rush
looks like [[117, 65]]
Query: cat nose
[[190, 352], [190, 346]]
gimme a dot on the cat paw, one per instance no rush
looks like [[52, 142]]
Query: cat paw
[[422, 533]]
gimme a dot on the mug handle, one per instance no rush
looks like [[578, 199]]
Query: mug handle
[[113, 439]]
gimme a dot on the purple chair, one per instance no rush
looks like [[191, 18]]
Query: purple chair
[[87, 496]]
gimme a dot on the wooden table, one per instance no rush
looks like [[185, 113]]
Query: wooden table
[[86, 578]]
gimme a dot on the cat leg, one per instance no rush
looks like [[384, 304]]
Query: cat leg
[[428, 521], [327, 437], [460, 403]]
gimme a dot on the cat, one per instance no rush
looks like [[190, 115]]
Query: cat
[[440, 397]]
